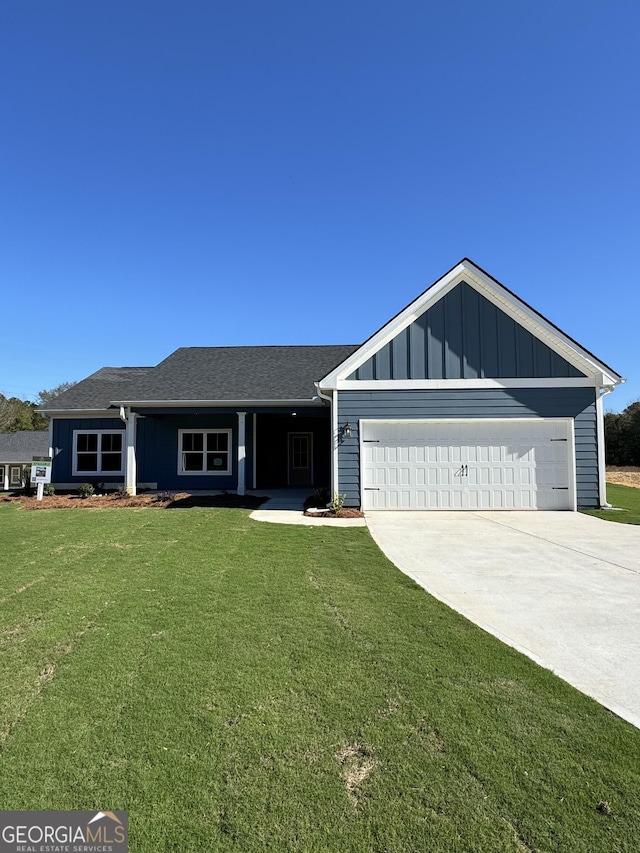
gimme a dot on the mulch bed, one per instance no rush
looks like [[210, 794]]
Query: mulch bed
[[345, 512], [162, 500]]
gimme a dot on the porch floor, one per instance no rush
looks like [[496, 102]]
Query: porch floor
[[292, 499]]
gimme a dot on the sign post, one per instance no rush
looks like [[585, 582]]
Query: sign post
[[41, 473]]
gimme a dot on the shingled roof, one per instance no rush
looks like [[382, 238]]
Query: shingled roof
[[98, 390], [210, 374], [23, 445]]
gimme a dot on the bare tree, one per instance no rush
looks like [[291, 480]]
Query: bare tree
[[47, 396]]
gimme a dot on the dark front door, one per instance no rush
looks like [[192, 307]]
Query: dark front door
[[300, 458]]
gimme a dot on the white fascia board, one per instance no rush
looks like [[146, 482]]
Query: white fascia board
[[81, 413], [461, 384], [498, 296], [313, 401]]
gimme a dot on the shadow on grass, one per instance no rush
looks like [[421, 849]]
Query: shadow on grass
[[223, 501]]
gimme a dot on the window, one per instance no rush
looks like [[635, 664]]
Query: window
[[97, 452], [204, 451], [299, 451], [15, 477]]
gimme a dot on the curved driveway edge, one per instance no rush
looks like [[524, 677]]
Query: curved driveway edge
[[561, 587], [290, 516]]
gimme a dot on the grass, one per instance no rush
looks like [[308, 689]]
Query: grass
[[239, 686], [627, 501]]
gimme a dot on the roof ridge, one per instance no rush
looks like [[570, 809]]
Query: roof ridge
[[268, 346]]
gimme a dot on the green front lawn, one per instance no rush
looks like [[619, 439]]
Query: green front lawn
[[626, 499], [239, 686]]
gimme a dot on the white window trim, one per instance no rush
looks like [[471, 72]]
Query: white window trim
[[12, 470], [226, 472], [99, 433]]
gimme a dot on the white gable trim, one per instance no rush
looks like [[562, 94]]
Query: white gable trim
[[497, 295], [467, 384]]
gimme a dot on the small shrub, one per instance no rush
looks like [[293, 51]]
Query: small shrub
[[121, 493], [337, 502], [86, 490], [163, 497], [321, 496], [26, 479], [49, 489]]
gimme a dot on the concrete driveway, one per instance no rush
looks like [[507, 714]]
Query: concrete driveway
[[562, 587]]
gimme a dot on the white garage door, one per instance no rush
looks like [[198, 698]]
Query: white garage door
[[479, 464]]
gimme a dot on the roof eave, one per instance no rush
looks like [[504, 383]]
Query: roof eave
[[79, 412], [303, 401]]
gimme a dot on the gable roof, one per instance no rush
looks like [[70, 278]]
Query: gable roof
[[579, 361], [21, 446], [209, 375]]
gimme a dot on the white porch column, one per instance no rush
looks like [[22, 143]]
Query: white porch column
[[51, 448], [131, 468], [5, 478], [242, 451]]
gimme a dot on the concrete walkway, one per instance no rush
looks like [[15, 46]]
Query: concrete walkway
[[562, 587], [286, 506]]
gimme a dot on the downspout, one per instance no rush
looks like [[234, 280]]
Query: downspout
[[334, 436], [602, 462]]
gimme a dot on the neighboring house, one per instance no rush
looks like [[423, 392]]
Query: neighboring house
[[17, 449], [466, 399]]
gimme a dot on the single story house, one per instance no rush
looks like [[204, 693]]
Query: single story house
[[466, 399], [17, 449]]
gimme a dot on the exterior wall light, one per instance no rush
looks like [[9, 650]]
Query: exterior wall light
[[346, 430]]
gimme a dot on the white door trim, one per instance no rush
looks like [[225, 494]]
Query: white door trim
[[309, 436]]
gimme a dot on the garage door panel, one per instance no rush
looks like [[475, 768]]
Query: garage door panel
[[482, 464]]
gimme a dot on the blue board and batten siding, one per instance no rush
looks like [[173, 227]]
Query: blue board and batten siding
[[576, 403], [464, 336], [157, 440], [63, 429], [156, 450]]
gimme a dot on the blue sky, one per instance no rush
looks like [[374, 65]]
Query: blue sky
[[206, 173]]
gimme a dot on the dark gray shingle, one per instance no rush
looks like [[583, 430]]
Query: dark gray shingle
[[22, 446], [97, 390], [274, 373]]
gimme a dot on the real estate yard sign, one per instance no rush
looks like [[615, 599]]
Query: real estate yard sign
[[41, 469], [41, 472]]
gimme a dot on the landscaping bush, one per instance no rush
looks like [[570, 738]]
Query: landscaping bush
[[26, 477], [49, 489], [321, 496], [337, 502], [86, 490]]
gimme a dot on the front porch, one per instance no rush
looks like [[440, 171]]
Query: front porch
[[221, 449]]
